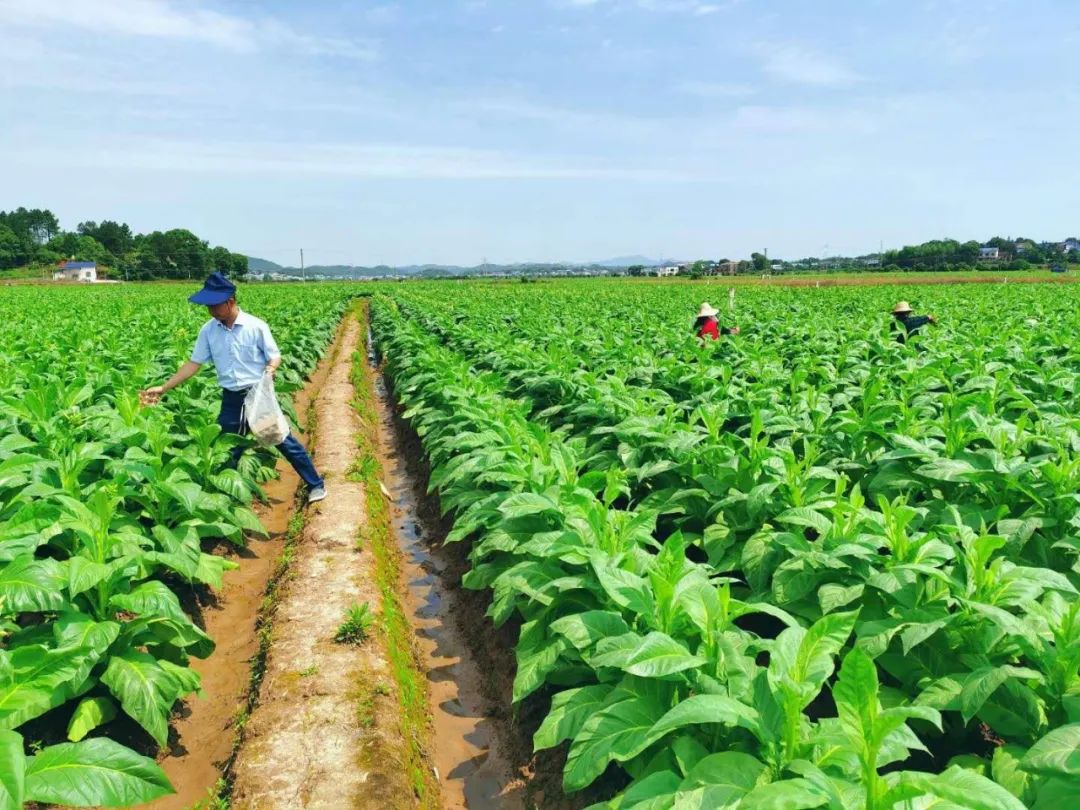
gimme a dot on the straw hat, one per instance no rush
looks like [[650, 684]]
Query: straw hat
[[901, 307], [707, 311]]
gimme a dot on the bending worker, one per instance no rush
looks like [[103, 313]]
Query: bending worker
[[909, 323], [241, 348], [708, 326]]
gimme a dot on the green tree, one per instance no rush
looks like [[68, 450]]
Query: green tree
[[116, 237], [172, 254], [89, 249], [34, 226], [12, 249], [233, 265], [760, 262], [64, 245], [636, 270], [968, 253]]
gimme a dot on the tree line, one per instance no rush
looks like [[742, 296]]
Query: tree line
[[33, 237], [936, 255], [949, 254]]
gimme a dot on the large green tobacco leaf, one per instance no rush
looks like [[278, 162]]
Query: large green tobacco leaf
[[79, 630], [700, 709], [981, 684], [35, 679], [147, 689], [32, 586], [659, 655], [94, 772], [625, 589], [537, 656], [789, 794], [728, 775], [1056, 754], [12, 771], [88, 715], [569, 711], [803, 659], [151, 598], [1008, 772], [584, 630], [615, 733], [956, 787]]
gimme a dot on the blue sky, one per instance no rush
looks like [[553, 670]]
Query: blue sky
[[456, 130]]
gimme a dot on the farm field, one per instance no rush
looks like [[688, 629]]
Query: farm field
[[107, 514], [803, 567]]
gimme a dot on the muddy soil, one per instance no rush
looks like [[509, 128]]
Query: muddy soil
[[201, 734], [319, 736]]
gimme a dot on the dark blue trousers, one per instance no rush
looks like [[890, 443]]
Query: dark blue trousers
[[230, 419]]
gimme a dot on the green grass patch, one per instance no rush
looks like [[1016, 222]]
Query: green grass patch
[[357, 625], [394, 625]]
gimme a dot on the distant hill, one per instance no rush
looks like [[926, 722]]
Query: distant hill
[[628, 261], [263, 266], [258, 266]]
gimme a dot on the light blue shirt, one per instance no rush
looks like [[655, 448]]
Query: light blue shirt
[[240, 353]]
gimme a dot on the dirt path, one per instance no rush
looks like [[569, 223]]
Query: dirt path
[[202, 733], [326, 732]]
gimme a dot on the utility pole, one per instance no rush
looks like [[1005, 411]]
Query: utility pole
[[303, 272]]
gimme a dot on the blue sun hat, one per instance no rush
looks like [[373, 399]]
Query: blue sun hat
[[216, 290]]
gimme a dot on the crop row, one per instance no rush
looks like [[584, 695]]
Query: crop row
[[105, 509], [879, 575]]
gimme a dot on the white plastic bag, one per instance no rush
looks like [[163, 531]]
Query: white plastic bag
[[263, 414]]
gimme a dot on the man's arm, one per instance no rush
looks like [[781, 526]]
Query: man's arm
[[199, 355], [271, 351], [152, 395]]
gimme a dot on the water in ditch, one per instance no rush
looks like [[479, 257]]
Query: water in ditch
[[473, 772]]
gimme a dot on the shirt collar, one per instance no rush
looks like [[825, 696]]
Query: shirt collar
[[242, 319]]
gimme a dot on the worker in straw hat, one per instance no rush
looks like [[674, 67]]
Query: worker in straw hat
[[707, 324], [242, 349], [907, 323]]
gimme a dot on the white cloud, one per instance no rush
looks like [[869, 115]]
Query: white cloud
[[794, 63], [366, 160], [167, 19]]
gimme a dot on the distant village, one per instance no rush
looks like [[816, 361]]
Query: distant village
[[944, 255]]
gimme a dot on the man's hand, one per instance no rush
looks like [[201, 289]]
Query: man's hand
[[151, 396], [735, 330], [270, 370], [932, 319]]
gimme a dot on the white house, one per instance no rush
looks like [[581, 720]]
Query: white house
[[668, 270], [76, 271], [989, 254], [1070, 245]]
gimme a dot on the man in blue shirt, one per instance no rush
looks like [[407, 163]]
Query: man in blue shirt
[[242, 349]]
